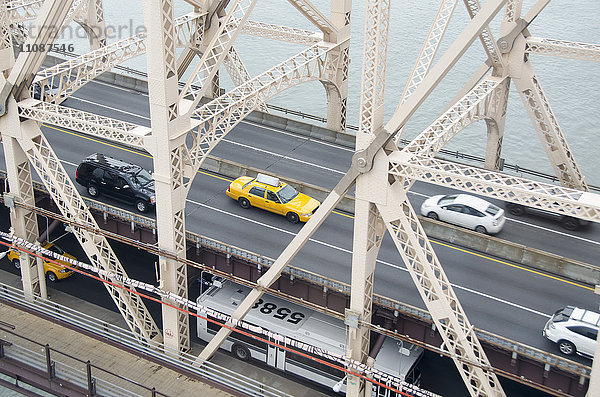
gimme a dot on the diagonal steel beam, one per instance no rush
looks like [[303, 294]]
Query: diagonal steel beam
[[315, 17], [118, 131], [213, 57], [214, 120], [71, 205], [553, 198], [469, 109], [563, 49]]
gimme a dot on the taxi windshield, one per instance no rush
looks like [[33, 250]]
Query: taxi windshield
[[287, 193]]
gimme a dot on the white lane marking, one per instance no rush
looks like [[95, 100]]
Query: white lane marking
[[109, 107], [318, 141], [554, 231], [284, 157], [488, 296], [336, 171]]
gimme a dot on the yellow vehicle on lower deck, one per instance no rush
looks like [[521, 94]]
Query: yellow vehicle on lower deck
[[54, 271], [270, 194]]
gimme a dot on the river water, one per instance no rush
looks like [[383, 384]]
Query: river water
[[572, 86]]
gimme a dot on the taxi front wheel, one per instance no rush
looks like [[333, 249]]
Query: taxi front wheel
[[292, 217]]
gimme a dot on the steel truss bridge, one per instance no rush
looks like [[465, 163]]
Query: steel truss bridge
[[184, 131]]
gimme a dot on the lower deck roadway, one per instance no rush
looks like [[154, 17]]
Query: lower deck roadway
[[123, 363]]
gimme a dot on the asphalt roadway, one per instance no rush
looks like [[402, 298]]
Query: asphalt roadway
[[498, 296]]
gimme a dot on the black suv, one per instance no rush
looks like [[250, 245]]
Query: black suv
[[568, 222], [126, 182]]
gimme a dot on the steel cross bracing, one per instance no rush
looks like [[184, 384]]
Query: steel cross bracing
[[67, 77], [23, 10], [37, 150], [89, 123], [218, 117], [457, 333], [214, 55], [563, 49], [284, 33], [315, 16], [368, 224]]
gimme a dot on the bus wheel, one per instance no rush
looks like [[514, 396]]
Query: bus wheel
[[240, 352]]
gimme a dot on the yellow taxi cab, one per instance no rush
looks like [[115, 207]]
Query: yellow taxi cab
[[53, 271], [269, 193]]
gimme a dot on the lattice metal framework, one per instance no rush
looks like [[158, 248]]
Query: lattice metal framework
[[382, 177]]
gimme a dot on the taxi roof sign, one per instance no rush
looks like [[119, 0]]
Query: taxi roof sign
[[267, 180]]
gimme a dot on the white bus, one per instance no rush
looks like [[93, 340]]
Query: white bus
[[396, 358]]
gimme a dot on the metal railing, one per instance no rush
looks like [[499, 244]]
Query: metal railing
[[102, 329]]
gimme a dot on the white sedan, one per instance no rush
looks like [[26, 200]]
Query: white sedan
[[465, 210]]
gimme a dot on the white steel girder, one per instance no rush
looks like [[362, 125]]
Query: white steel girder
[[435, 289], [67, 77], [314, 16], [563, 48], [23, 10], [368, 225], [238, 72], [71, 205], [215, 119], [450, 315], [92, 21], [560, 155], [486, 37], [118, 131], [283, 33], [430, 48], [553, 198], [168, 158], [23, 222], [7, 57], [469, 109], [214, 55]]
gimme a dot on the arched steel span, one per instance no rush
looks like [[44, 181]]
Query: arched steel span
[[382, 174]]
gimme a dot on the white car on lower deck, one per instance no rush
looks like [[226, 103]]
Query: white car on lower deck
[[465, 210]]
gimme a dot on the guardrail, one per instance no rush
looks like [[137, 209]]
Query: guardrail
[[208, 370], [60, 367]]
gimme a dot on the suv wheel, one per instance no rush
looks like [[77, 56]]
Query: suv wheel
[[141, 206], [93, 190], [516, 209], [16, 263], [570, 223], [566, 347]]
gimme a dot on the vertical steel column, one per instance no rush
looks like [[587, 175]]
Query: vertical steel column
[[337, 93], [368, 225], [95, 25], [169, 149], [24, 223]]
